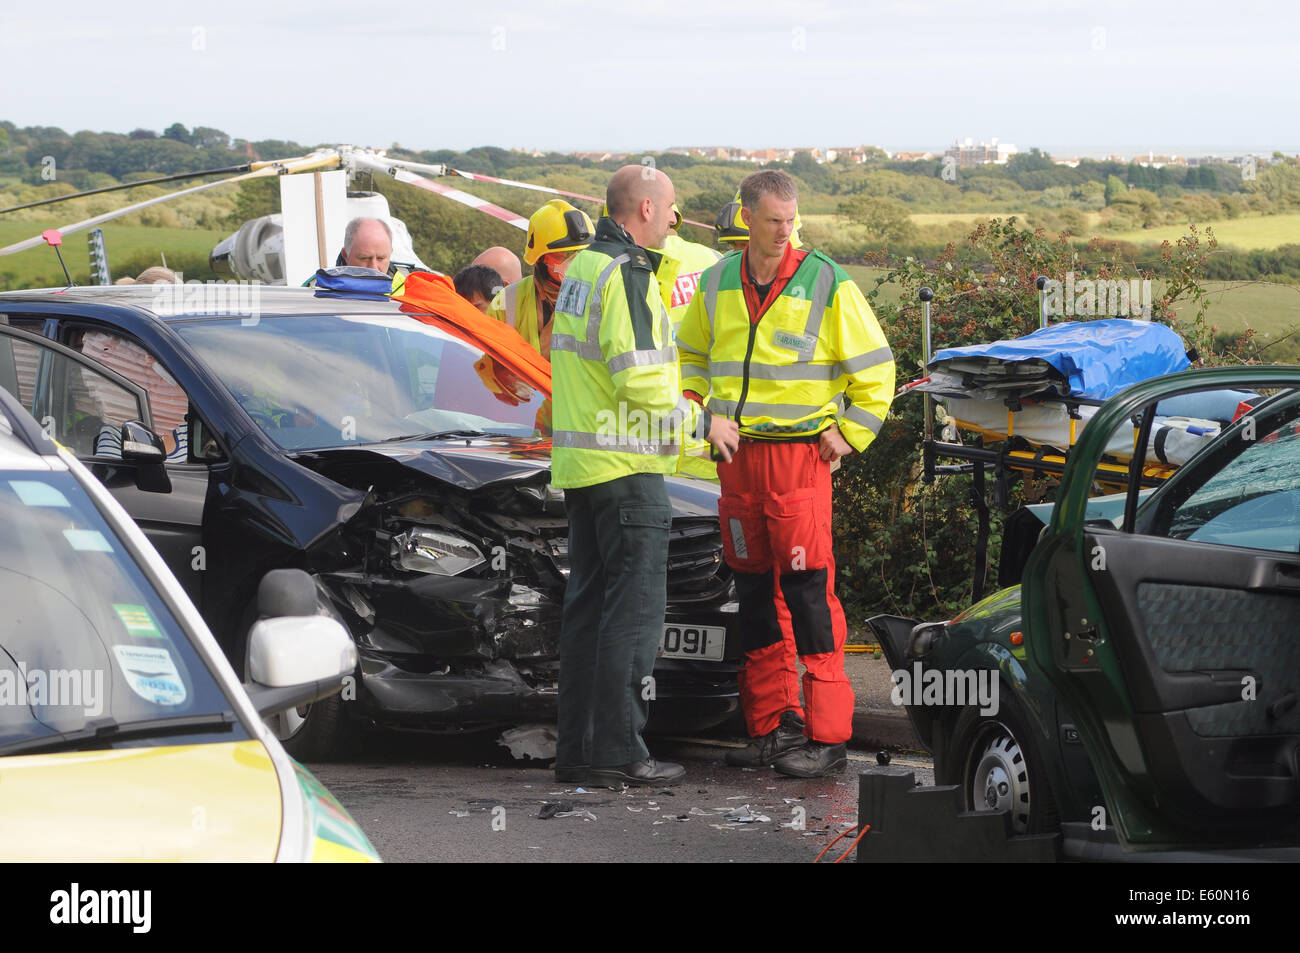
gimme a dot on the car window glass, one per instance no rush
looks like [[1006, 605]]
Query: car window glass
[[167, 401], [32, 325], [75, 404], [18, 371], [1243, 491]]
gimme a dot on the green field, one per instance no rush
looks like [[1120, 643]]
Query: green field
[[866, 279], [1266, 231], [1272, 309], [187, 248], [947, 218]]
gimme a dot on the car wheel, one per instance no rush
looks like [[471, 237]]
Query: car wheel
[[319, 731], [999, 767]]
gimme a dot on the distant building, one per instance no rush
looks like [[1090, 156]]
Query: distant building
[[969, 153], [1154, 161]]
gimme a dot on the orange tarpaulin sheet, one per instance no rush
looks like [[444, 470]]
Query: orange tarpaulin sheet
[[433, 300]]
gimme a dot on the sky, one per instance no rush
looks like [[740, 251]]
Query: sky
[[1074, 77]]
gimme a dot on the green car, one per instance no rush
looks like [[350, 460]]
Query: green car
[[1140, 689]]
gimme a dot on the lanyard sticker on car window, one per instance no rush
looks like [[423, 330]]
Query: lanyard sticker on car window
[[87, 540], [573, 296], [151, 673], [36, 493], [137, 620]]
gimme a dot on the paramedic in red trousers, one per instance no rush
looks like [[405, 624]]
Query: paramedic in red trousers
[[783, 342]]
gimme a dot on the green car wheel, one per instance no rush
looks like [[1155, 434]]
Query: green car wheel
[[1001, 768]]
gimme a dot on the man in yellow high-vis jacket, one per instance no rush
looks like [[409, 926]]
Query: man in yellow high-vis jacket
[[619, 421], [783, 342]]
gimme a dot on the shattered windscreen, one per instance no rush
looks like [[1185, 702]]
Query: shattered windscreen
[[320, 380]]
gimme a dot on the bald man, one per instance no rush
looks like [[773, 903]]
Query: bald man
[[619, 422], [503, 261]]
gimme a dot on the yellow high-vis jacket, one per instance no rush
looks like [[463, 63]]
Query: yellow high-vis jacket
[[516, 305], [618, 404], [816, 357], [692, 258]]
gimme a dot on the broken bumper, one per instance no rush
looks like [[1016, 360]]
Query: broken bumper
[[417, 693]]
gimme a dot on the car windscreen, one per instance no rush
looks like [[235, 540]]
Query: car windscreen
[[85, 639], [320, 380]]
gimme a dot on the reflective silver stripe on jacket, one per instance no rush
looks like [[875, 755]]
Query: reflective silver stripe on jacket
[[775, 411], [584, 349], [863, 419], [821, 297], [621, 362], [596, 311], [801, 370], [511, 302], [711, 302], [620, 443], [590, 348], [852, 365]]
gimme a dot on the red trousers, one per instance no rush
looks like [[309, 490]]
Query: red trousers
[[775, 513]]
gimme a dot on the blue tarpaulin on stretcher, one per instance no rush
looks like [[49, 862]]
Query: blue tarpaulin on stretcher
[[1097, 359]]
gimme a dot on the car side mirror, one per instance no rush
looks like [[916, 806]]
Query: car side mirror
[[295, 656], [293, 650], [144, 448], [141, 445]]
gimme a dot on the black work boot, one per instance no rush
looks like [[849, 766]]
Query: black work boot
[[785, 737], [813, 760]]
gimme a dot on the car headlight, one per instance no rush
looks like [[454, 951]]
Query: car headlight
[[925, 637], [434, 551]]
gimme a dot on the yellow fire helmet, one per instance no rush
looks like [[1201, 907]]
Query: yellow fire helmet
[[557, 226], [731, 227]]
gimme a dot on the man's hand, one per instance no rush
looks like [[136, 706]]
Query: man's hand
[[832, 445], [723, 436]]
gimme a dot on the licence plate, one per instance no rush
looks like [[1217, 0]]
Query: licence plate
[[683, 640]]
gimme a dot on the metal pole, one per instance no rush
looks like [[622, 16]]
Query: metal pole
[[927, 447], [1041, 283]]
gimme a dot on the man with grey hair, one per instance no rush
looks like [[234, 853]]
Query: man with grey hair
[[782, 341], [368, 243]]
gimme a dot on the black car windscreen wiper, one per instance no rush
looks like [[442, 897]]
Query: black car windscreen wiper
[[107, 731], [442, 435]]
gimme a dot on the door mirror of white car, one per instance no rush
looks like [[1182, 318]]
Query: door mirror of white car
[[293, 650]]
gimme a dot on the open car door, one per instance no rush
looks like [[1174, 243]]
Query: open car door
[[1174, 640]]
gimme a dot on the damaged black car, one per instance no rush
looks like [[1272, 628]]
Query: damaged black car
[[351, 440]]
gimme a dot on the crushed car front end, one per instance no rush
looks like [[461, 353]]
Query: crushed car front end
[[455, 587]]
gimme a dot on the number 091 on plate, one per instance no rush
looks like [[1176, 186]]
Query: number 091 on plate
[[683, 640]]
